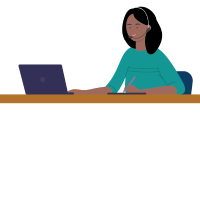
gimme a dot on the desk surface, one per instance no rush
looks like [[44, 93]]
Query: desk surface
[[89, 98]]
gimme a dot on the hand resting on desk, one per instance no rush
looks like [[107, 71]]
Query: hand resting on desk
[[101, 90], [76, 91]]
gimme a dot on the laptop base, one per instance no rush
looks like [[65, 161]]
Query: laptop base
[[49, 93]]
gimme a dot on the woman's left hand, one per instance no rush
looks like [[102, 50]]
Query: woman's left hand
[[132, 89]]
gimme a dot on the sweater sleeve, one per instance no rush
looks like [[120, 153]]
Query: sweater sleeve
[[120, 74], [168, 73]]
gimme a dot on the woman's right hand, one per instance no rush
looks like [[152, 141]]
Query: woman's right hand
[[76, 91]]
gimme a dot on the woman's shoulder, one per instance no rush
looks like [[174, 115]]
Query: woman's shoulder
[[159, 54], [128, 53], [129, 50]]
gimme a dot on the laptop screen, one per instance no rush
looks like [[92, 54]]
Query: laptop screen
[[43, 79]]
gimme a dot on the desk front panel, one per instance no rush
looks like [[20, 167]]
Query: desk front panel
[[89, 98]]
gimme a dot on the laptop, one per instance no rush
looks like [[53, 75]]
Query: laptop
[[43, 79]]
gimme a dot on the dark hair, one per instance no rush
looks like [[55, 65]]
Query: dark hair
[[153, 37]]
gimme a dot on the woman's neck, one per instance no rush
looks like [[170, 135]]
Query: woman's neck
[[140, 45]]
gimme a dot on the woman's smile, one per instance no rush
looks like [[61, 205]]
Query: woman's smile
[[133, 35]]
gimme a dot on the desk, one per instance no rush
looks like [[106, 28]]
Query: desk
[[90, 98]]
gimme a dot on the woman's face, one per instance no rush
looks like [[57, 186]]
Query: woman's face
[[135, 28]]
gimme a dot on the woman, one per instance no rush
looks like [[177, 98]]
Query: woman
[[153, 71]]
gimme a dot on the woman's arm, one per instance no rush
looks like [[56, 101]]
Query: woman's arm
[[159, 90], [169, 74], [101, 90]]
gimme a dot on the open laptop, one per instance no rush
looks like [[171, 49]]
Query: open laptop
[[43, 79]]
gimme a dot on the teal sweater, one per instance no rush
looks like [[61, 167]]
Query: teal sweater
[[150, 70]]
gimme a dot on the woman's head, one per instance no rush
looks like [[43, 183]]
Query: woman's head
[[137, 24], [135, 29]]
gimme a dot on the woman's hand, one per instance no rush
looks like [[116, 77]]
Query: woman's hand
[[132, 89], [76, 91]]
